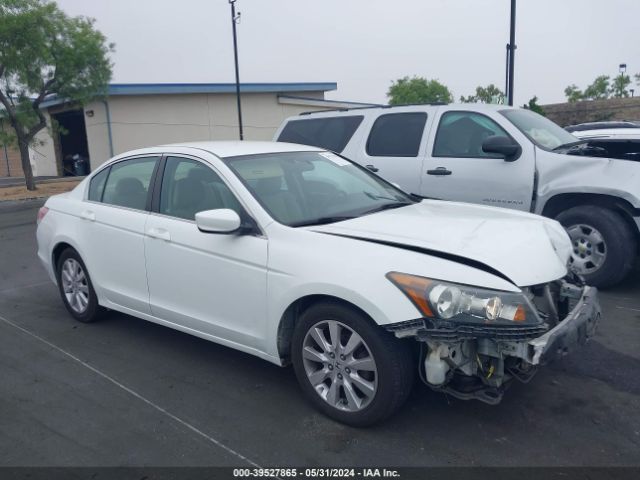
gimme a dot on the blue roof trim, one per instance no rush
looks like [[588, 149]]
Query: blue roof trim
[[177, 88]]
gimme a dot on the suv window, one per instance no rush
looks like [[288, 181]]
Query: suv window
[[96, 187], [460, 134], [396, 135], [189, 187], [128, 183], [329, 133]]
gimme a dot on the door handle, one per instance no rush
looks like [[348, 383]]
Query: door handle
[[159, 233], [439, 171], [373, 168], [88, 215]]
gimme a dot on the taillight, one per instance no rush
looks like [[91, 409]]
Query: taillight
[[41, 213]]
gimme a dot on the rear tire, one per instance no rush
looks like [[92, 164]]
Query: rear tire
[[76, 289], [358, 386], [603, 244]]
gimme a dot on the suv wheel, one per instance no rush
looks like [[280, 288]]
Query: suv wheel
[[351, 370], [604, 247]]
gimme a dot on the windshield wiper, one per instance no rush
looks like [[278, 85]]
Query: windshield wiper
[[375, 196], [568, 145], [387, 206], [322, 221]]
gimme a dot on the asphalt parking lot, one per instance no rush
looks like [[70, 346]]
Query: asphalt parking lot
[[127, 392]]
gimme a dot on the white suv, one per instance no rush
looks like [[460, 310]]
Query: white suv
[[499, 156]]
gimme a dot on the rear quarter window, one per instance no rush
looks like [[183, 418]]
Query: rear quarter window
[[96, 187], [329, 133]]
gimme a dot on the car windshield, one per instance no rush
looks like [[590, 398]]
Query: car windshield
[[312, 188], [540, 130]]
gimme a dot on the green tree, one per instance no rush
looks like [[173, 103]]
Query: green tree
[[637, 77], [619, 86], [599, 89], [418, 90], [573, 93], [483, 95], [533, 106], [45, 53]]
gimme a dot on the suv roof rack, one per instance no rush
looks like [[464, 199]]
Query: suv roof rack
[[348, 109], [343, 109]]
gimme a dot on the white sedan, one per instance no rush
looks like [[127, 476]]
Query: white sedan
[[297, 255]]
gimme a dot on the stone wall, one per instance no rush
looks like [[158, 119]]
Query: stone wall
[[593, 111]]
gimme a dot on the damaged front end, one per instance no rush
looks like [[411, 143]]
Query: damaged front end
[[475, 342]]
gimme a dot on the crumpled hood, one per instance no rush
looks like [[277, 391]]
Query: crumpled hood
[[525, 248]]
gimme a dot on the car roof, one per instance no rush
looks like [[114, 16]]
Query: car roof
[[237, 148], [580, 127], [220, 149], [619, 133]]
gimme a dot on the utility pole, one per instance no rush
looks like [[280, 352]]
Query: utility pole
[[511, 52], [506, 72], [235, 19]]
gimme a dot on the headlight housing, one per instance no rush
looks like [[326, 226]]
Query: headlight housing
[[467, 304]]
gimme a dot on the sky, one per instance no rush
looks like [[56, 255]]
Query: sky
[[364, 45]]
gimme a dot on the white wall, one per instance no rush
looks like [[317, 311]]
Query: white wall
[[144, 120], [42, 153]]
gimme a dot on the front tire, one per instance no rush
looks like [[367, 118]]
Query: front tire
[[351, 370], [76, 289], [604, 246]]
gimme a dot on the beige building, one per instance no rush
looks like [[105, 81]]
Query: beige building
[[139, 115]]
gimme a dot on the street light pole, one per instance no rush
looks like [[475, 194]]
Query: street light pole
[[234, 20], [512, 51]]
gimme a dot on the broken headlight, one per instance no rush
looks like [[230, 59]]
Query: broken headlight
[[465, 304]]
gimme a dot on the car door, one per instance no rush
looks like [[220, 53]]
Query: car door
[[210, 283], [112, 231], [394, 148], [458, 169]]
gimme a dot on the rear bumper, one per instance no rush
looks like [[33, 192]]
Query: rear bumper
[[570, 333], [43, 238]]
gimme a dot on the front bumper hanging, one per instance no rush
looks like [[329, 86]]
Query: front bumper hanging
[[479, 361], [571, 332]]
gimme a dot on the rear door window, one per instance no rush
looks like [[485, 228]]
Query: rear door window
[[128, 183], [396, 135], [329, 133]]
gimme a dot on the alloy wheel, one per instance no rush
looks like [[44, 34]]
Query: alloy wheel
[[339, 365], [75, 285]]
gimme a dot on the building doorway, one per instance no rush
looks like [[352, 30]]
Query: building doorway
[[72, 141]]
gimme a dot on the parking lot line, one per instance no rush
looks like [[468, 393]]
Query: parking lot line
[[107, 377], [628, 308]]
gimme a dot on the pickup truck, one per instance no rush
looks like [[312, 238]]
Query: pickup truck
[[499, 156]]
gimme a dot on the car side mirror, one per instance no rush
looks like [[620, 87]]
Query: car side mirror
[[502, 145], [221, 220]]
